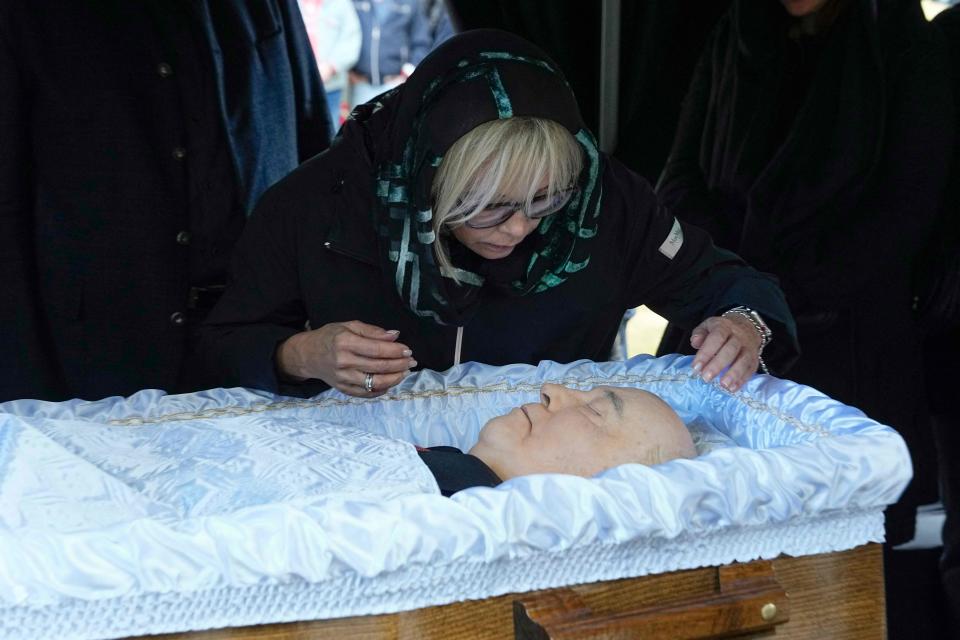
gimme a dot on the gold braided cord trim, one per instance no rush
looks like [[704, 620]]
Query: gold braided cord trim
[[456, 390], [793, 421]]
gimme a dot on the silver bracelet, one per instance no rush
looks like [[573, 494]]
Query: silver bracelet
[[761, 327], [763, 365]]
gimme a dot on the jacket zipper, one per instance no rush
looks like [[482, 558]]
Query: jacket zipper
[[458, 345], [349, 254]]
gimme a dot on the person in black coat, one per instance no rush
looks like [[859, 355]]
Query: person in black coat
[[942, 352], [814, 141], [468, 215], [136, 137]]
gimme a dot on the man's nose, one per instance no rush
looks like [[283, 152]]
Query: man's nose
[[557, 396]]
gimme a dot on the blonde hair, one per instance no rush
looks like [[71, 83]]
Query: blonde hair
[[495, 160]]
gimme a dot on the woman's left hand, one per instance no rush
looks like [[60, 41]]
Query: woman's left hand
[[723, 342]]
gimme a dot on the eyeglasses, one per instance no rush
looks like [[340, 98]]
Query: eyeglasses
[[540, 207]]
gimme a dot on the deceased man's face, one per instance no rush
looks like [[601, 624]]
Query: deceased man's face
[[583, 433]]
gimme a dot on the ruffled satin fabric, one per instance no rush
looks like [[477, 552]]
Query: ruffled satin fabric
[[159, 513]]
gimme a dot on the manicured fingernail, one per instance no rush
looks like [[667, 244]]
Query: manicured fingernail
[[393, 332], [726, 384], [697, 366], [707, 376], [407, 352], [413, 363]]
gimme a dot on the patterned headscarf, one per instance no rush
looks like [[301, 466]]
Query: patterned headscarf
[[474, 77]]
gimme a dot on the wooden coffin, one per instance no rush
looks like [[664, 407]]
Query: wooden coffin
[[835, 595]]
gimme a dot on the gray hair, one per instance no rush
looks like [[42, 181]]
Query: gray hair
[[496, 161]]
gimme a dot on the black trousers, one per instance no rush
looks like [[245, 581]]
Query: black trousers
[[941, 355]]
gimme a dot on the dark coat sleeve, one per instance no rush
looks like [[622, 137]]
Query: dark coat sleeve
[[26, 367], [700, 280], [262, 304], [897, 211], [682, 186]]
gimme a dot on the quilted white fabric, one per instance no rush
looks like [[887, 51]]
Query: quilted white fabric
[[168, 513]]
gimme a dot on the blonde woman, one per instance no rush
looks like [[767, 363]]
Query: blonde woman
[[468, 215]]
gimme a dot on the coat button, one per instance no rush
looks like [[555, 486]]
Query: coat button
[[183, 238], [177, 319], [164, 70], [179, 153]]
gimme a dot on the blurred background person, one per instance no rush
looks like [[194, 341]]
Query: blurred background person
[[438, 17], [136, 138], [334, 31], [396, 37]]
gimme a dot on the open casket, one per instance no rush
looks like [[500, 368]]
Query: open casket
[[231, 508]]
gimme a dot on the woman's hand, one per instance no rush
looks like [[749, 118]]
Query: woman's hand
[[342, 354], [721, 342]]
